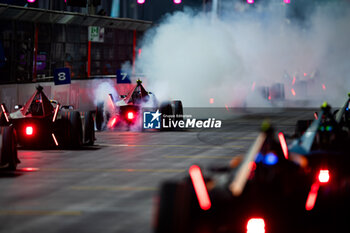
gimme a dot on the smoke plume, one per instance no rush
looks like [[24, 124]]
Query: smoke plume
[[214, 61]]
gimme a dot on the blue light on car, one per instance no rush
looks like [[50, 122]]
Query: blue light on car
[[259, 157], [270, 159]]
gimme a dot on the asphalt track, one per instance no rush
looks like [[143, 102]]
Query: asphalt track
[[111, 186]]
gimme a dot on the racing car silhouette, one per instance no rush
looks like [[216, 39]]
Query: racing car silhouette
[[275, 188], [127, 109], [41, 123]]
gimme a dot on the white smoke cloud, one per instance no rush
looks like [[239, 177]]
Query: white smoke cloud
[[193, 57]]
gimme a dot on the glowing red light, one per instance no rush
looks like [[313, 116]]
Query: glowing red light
[[283, 144], [323, 176], [323, 87], [141, 1], [250, 1], [177, 1], [54, 139], [311, 199], [30, 169], [55, 114], [316, 115], [256, 225], [139, 52], [293, 92], [31, 1], [287, 1], [305, 74], [5, 114], [29, 130], [293, 82], [269, 97], [130, 115], [112, 122], [211, 100], [199, 187]]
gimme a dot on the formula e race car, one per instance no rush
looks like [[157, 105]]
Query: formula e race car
[[40, 123], [8, 152], [341, 116], [127, 109], [303, 188]]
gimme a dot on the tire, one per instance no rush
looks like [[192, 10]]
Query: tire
[[76, 129], [99, 116], [89, 134], [173, 213], [165, 209], [9, 148], [178, 110], [166, 109]]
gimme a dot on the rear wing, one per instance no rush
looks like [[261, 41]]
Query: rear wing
[[240, 180]]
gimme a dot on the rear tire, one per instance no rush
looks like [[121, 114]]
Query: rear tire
[[99, 116], [173, 213], [166, 109], [89, 135], [76, 129], [9, 148], [178, 110]]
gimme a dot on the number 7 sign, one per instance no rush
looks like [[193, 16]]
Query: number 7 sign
[[122, 77]]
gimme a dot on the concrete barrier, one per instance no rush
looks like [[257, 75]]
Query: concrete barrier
[[80, 93]]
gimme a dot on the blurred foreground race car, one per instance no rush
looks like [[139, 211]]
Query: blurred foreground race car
[[127, 110], [40, 123], [341, 116], [303, 188], [8, 149]]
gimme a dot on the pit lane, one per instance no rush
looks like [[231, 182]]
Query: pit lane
[[111, 186]]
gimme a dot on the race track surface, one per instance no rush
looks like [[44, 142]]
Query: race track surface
[[111, 186]]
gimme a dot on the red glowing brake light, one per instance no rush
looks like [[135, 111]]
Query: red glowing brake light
[[256, 225], [113, 122], [323, 176], [130, 115], [199, 187], [29, 130], [311, 198], [283, 144]]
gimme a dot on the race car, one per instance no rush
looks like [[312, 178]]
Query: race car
[[8, 152], [40, 123], [276, 188], [341, 116], [127, 109]]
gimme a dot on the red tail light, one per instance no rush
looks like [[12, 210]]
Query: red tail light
[[323, 176], [311, 198], [54, 139], [112, 122], [5, 113], [130, 115], [29, 130], [199, 187], [283, 144], [256, 225], [55, 114]]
